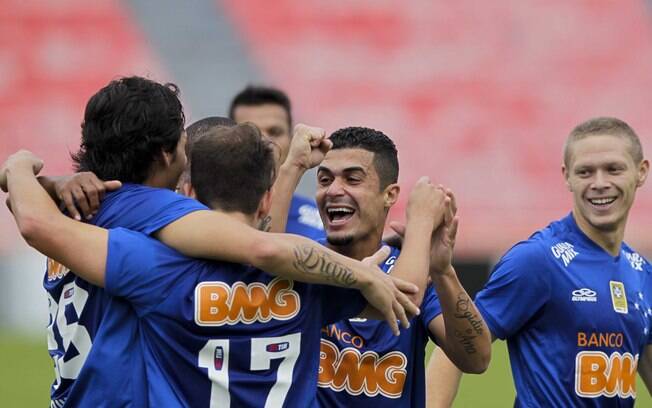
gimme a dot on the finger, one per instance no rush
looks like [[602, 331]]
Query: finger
[[398, 228], [448, 213], [325, 146], [402, 316], [452, 230], [450, 194], [112, 185], [93, 197], [404, 286], [69, 202], [390, 318], [81, 200], [407, 304], [378, 257]]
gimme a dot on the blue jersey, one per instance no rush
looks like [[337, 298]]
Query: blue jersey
[[91, 335], [576, 319], [304, 219], [362, 363], [220, 334]]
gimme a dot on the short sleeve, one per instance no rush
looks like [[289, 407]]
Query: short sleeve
[[139, 269], [430, 308], [517, 289], [340, 303], [144, 209]]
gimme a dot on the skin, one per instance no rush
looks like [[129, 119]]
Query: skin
[[272, 120], [348, 178], [599, 166]]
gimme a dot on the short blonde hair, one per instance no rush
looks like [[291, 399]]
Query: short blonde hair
[[604, 126]]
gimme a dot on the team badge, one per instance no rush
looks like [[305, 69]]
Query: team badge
[[618, 296]]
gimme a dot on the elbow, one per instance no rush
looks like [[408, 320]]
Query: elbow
[[265, 251], [479, 364], [31, 229]]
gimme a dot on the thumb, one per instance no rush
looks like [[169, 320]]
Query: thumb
[[112, 185], [378, 257]]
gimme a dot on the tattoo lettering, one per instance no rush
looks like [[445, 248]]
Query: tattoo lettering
[[265, 224], [467, 340], [312, 261], [463, 311]]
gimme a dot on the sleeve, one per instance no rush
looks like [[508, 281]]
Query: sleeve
[[430, 308], [146, 210], [517, 289], [340, 303], [139, 269]]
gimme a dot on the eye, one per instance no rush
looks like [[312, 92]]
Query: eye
[[582, 172], [353, 180], [324, 180], [275, 131], [616, 169]]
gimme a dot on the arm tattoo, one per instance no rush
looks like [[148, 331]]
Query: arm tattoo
[[463, 311], [311, 261], [265, 224], [467, 340]]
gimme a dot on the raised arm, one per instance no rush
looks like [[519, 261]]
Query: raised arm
[[460, 330], [308, 148], [78, 246]]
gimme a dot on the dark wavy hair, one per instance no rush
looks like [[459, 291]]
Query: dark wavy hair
[[126, 126], [375, 141]]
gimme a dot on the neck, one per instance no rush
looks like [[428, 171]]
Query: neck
[[250, 220], [610, 240], [362, 248]]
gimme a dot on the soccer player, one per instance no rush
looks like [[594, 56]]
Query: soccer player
[[270, 110], [362, 364], [133, 132], [214, 334], [573, 301]]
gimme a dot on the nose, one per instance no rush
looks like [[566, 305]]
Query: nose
[[601, 181], [336, 188]]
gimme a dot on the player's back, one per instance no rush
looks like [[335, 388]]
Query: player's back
[[220, 332], [92, 335]]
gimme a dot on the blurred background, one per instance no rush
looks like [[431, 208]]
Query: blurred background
[[478, 95]]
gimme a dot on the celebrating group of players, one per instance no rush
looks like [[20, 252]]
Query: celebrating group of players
[[197, 297]]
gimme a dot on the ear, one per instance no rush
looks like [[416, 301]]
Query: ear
[[564, 172], [265, 205], [188, 190], [391, 194], [643, 171]]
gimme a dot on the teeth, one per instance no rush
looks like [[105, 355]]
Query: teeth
[[340, 210], [602, 201]]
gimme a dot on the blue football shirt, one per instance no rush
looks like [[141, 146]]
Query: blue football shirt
[[576, 319], [362, 363], [220, 334], [304, 219], [91, 335]]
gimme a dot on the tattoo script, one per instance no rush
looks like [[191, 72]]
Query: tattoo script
[[312, 261], [467, 340], [463, 311]]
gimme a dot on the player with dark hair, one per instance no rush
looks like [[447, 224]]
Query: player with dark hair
[[361, 364], [91, 333], [270, 109], [581, 329], [213, 333]]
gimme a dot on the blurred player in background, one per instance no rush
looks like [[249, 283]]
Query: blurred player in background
[[270, 109], [574, 300], [216, 334], [133, 132], [362, 364]]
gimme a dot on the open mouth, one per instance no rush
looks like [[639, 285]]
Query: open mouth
[[339, 215], [602, 202]]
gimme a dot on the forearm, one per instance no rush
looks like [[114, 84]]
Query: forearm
[[284, 186], [442, 380], [467, 340], [48, 183], [213, 235], [47, 230], [413, 263], [645, 367]]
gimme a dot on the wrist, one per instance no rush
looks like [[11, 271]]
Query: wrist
[[292, 170], [441, 273]]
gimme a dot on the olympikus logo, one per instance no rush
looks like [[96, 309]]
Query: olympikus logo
[[584, 295], [565, 251], [217, 303]]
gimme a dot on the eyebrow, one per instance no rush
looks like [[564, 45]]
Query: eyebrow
[[346, 170]]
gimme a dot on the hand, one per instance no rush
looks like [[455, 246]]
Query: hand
[[84, 191], [308, 148], [443, 240], [20, 159], [384, 293], [427, 202]]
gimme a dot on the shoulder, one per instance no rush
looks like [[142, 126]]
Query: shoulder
[[635, 260]]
